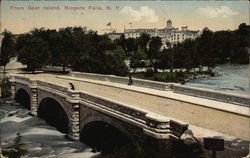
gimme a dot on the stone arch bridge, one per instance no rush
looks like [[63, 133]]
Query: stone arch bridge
[[76, 109]]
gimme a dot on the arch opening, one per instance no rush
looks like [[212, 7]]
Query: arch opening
[[23, 98], [52, 112], [103, 137]]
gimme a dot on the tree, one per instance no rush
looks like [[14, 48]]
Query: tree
[[137, 59], [32, 51], [7, 48], [65, 46], [189, 54], [243, 30], [164, 59], [206, 49], [114, 62], [154, 49], [97, 54]]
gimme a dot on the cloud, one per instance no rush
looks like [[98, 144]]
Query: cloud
[[144, 13], [211, 12]]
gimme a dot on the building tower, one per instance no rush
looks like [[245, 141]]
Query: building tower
[[169, 24]]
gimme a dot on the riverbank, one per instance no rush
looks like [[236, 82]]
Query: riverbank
[[225, 78], [176, 76]]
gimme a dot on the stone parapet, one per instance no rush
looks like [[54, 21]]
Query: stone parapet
[[175, 87], [214, 95], [123, 80]]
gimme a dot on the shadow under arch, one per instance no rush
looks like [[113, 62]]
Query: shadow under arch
[[53, 113], [23, 98], [104, 137]]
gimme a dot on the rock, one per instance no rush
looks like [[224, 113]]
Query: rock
[[23, 113], [11, 113]]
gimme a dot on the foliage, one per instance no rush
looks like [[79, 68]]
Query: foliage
[[5, 88], [164, 59], [137, 59], [98, 54], [153, 50], [16, 150], [85, 50], [7, 48], [149, 73], [33, 51]]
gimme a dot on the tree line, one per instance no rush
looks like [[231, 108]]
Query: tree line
[[85, 50], [207, 50]]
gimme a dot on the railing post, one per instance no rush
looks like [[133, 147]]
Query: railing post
[[34, 98], [74, 122]]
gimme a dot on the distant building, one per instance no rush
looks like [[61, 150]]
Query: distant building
[[168, 35], [114, 35]]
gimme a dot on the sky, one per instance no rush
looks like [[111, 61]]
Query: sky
[[216, 15]]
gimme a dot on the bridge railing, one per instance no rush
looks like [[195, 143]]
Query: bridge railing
[[151, 122], [52, 86], [176, 88], [21, 78], [138, 114], [28, 81], [123, 80], [210, 94]]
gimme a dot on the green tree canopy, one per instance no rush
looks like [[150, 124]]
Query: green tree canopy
[[32, 51], [7, 48]]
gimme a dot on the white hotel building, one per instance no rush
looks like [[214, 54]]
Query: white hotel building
[[168, 34]]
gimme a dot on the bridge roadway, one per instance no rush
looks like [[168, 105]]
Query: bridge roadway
[[209, 118]]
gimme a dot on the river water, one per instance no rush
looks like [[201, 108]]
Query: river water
[[231, 79], [40, 139]]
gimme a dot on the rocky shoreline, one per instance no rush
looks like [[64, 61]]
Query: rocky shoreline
[[199, 75]]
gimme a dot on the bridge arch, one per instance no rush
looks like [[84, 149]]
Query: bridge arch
[[23, 98], [54, 114], [104, 134]]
